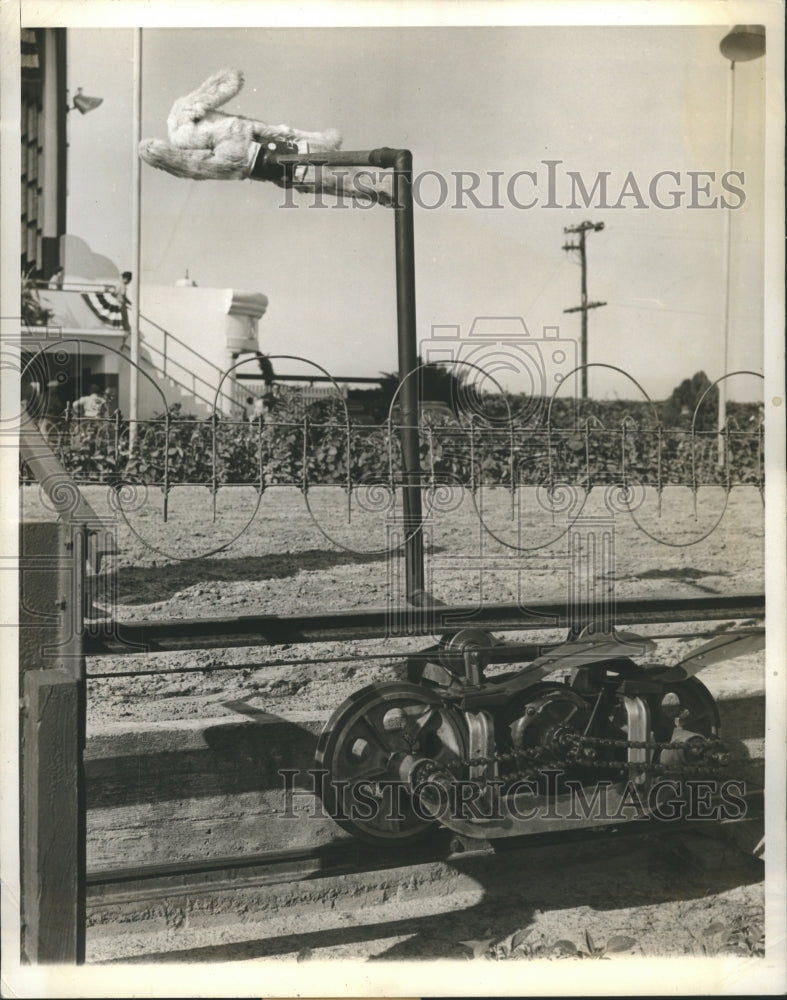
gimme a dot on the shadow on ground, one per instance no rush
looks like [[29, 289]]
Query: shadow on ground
[[236, 759], [144, 585]]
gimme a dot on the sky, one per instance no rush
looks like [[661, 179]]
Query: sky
[[632, 101]]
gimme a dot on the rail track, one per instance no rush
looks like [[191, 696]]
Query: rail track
[[126, 637], [134, 885]]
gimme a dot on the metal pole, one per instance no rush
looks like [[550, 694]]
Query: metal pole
[[584, 296], [136, 242], [408, 362], [722, 386]]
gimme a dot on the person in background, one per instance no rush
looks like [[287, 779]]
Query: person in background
[[93, 405], [122, 297], [56, 281], [110, 403]]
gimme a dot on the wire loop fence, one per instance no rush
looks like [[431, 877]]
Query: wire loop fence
[[306, 452], [304, 444]]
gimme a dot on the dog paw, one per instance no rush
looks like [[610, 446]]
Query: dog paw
[[232, 77], [148, 147], [217, 89], [236, 77]]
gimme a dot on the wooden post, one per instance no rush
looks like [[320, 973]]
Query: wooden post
[[52, 681]]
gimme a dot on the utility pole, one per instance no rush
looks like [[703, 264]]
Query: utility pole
[[581, 230]]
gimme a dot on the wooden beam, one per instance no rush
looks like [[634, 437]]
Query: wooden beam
[[53, 919], [52, 786]]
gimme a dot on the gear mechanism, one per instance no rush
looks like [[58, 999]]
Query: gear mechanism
[[388, 742]]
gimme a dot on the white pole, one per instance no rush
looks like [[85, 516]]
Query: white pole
[[722, 387], [136, 242]]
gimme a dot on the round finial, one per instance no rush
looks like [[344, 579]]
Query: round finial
[[186, 282]]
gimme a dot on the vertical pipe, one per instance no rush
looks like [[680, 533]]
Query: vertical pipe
[[584, 345], [136, 213], [408, 361], [722, 386]]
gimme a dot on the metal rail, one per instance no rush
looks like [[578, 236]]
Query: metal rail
[[267, 630], [350, 379], [207, 400], [267, 868], [515, 653]]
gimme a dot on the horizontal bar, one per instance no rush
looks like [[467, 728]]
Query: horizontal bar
[[267, 630], [366, 379], [383, 157]]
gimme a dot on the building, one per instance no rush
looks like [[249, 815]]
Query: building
[[190, 339], [75, 310], [43, 131]]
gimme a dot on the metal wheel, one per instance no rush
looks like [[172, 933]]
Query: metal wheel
[[688, 700], [361, 744]]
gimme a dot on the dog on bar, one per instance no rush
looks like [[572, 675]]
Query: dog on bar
[[208, 144]]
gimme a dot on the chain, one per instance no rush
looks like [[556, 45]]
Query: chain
[[538, 755]]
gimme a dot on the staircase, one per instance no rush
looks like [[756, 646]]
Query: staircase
[[182, 374], [173, 365]]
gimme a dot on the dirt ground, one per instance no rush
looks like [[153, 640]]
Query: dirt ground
[[287, 554], [282, 553]]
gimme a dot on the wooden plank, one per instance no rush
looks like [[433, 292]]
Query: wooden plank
[[52, 899], [52, 788], [39, 616]]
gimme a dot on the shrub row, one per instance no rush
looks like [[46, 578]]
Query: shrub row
[[321, 448]]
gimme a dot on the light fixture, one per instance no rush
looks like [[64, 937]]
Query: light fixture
[[744, 42], [83, 103]]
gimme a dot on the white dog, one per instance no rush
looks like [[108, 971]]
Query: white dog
[[207, 144]]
